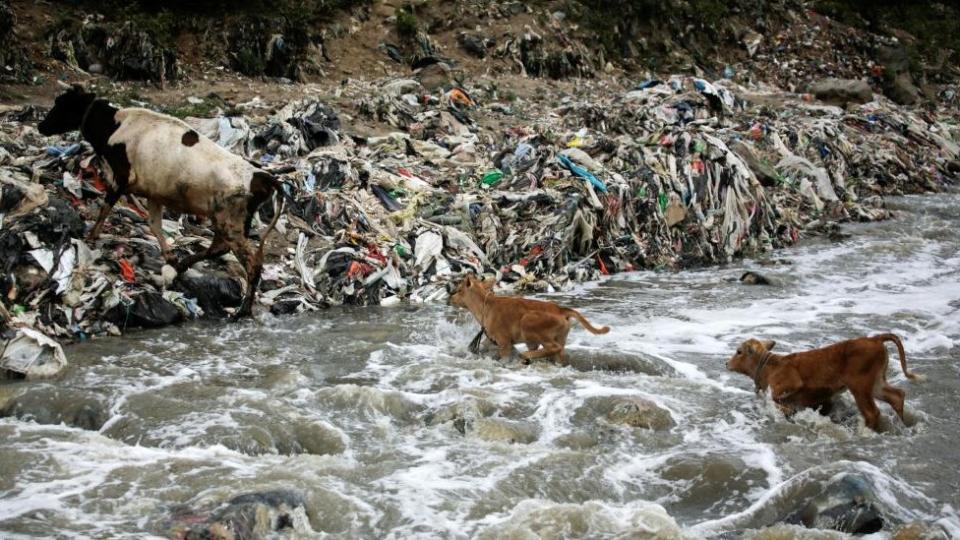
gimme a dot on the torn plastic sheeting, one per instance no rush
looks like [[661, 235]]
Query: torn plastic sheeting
[[803, 166], [72, 184], [581, 157], [389, 274], [32, 354], [459, 240], [428, 247], [388, 202], [721, 94], [65, 264], [34, 196], [581, 172], [306, 274]]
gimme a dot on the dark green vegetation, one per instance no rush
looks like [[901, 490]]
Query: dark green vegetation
[[936, 25], [156, 41]]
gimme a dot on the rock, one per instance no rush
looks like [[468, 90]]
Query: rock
[[630, 411], [499, 430], [842, 91], [919, 530], [466, 410], [213, 293], [148, 310], [474, 44], [753, 278], [434, 76], [266, 514], [592, 360], [638, 412], [53, 405], [847, 505], [902, 90]]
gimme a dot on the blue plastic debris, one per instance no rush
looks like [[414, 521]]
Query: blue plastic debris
[[582, 173], [63, 151]]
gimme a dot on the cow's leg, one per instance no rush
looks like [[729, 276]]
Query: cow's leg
[[253, 264], [155, 209], [217, 247], [228, 223], [868, 408], [549, 349], [894, 396], [111, 199]]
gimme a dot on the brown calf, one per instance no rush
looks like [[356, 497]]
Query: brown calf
[[812, 378], [508, 320]]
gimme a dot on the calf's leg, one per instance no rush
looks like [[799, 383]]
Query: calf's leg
[[549, 349], [868, 408], [895, 397]]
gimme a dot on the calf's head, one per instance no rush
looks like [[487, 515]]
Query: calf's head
[[471, 286], [748, 355], [67, 112]]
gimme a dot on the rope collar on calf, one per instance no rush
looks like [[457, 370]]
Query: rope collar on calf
[[759, 371], [483, 314]]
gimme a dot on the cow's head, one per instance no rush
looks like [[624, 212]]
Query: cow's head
[[67, 112]]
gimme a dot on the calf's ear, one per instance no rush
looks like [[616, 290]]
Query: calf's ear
[[489, 283], [769, 344]]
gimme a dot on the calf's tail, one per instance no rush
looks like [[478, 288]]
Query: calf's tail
[[903, 356], [572, 313]]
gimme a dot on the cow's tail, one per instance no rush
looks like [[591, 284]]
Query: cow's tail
[[572, 313], [903, 356]]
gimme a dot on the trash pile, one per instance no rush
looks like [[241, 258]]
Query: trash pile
[[590, 179], [121, 49]]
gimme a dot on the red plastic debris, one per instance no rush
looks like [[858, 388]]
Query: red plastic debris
[[126, 271]]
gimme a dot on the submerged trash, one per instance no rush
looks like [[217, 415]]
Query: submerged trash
[[30, 354]]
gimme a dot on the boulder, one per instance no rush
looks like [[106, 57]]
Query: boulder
[[277, 513], [500, 430], [474, 45], [469, 409], [754, 278], [641, 413], [919, 530], [49, 404], [842, 91], [902, 90], [847, 504]]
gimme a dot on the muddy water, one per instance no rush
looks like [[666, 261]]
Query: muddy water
[[388, 427]]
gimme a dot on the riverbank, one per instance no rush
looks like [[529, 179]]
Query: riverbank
[[401, 186]]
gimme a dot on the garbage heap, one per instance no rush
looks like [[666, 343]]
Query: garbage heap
[[585, 181]]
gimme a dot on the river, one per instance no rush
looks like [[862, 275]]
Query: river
[[388, 427]]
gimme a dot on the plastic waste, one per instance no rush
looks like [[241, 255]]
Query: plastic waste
[[32, 355]]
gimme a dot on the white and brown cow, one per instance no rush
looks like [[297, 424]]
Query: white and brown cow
[[164, 160]]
